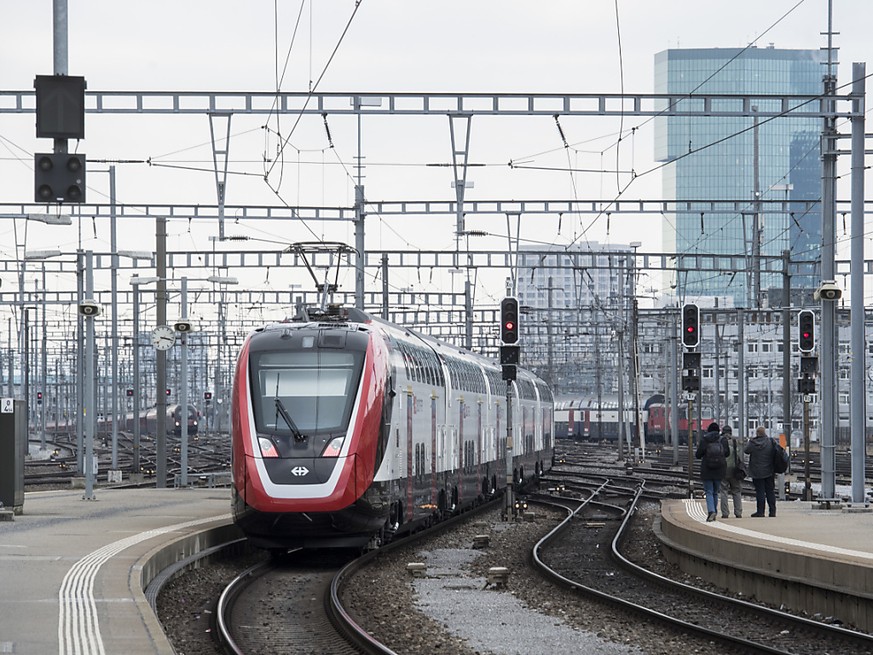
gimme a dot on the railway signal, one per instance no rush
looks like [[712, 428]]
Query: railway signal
[[806, 332], [690, 326], [59, 177], [509, 354], [691, 372], [509, 320]]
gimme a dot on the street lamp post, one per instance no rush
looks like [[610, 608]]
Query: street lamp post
[[89, 404]]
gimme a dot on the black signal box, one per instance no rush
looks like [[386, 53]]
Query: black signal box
[[510, 354]]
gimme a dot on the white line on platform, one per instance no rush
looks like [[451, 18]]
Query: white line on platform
[[78, 625]]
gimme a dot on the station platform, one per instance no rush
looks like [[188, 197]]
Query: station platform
[[74, 571], [808, 557]]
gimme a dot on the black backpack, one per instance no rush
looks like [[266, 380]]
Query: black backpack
[[780, 458], [713, 456]]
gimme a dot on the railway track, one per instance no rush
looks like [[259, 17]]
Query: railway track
[[278, 606], [294, 604], [589, 572], [590, 562]]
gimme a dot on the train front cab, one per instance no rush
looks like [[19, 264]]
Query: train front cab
[[308, 436]]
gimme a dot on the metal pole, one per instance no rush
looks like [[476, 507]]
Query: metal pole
[[690, 445], [43, 367], [25, 386], [510, 479], [137, 383], [635, 378], [113, 386], [90, 404], [756, 227], [550, 361], [468, 313], [80, 366], [9, 385], [183, 388], [360, 214], [59, 36], [674, 403], [161, 358], [217, 402], [859, 386], [807, 487], [827, 350], [741, 375], [385, 286], [786, 345], [620, 370]]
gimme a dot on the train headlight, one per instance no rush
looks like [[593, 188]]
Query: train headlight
[[268, 449], [333, 447]]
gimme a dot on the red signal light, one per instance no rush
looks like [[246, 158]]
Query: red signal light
[[509, 320], [806, 330], [690, 324]]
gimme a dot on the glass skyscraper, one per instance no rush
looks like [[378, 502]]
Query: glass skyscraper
[[738, 159]]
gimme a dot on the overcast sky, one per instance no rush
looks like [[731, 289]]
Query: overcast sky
[[388, 46]]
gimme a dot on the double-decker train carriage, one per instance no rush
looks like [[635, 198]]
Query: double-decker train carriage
[[590, 418], [347, 430]]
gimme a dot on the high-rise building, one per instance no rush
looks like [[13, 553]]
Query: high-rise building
[[741, 158]]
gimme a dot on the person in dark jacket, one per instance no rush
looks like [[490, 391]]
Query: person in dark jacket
[[730, 485], [712, 451], [760, 451]]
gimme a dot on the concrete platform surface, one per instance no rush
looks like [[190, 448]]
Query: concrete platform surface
[[807, 558], [72, 569], [841, 532]]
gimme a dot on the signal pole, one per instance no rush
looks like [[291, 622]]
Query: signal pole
[[509, 358], [690, 375]]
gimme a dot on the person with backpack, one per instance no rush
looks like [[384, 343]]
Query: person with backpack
[[712, 451], [760, 450], [732, 484]]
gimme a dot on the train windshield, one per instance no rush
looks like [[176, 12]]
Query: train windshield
[[315, 390]]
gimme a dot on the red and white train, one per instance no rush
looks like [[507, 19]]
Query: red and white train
[[347, 430]]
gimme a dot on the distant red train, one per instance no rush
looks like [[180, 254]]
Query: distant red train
[[657, 419], [597, 419]]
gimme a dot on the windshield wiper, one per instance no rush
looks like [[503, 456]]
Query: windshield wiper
[[280, 408]]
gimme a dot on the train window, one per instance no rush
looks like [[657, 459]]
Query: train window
[[316, 388]]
